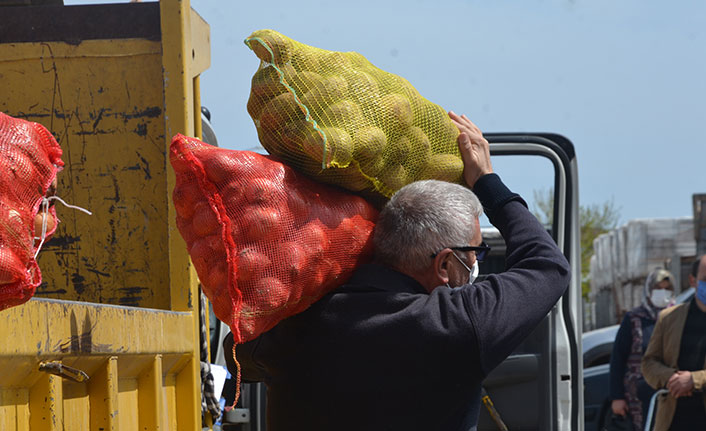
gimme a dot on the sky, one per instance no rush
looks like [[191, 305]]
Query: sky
[[624, 81]]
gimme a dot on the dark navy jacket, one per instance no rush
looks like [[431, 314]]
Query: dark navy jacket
[[381, 353]]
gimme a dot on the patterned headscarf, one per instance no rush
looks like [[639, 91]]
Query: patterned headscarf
[[647, 309]]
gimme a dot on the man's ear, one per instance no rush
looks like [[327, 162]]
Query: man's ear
[[692, 281], [441, 267]]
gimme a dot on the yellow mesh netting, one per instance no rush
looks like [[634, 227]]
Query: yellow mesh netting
[[338, 118]]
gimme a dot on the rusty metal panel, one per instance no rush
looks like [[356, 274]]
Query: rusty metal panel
[[181, 97], [45, 399], [111, 339], [170, 396], [151, 395], [200, 46], [136, 361], [53, 329], [103, 390], [14, 409], [77, 412], [127, 396], [58, 23], [103, 101]]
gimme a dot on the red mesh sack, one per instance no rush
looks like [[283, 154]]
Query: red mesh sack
[[266, 242], [30, 158]]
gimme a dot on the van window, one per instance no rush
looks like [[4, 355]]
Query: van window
[[532, 177]]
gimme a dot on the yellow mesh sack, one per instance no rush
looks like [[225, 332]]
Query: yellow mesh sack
[[338, 118]]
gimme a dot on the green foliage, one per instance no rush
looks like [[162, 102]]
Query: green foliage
[[594, 220]]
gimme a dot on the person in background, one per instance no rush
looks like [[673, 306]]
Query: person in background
[[676, 360], [694, 273], [628, 389]]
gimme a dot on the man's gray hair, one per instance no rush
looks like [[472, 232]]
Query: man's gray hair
[[421, 219]]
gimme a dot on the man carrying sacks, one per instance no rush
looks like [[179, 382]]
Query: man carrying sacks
[[406, 343]]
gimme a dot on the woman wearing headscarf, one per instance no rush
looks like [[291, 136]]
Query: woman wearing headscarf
[[628, 389]]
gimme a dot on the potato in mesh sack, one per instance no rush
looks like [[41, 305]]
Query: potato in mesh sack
[[266, 242], [30, 158], [338, 118]]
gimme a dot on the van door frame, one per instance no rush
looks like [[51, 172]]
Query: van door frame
[[566, 346]]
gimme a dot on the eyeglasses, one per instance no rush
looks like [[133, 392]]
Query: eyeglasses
[[481, 251]]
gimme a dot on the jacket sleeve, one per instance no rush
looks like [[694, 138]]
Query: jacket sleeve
[[619, 359], [655, 371], [699, 378], [504, 308]]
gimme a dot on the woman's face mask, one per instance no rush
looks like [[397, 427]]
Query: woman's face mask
[[661, 298]]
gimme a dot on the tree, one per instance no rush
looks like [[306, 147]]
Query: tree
[[594, 220]]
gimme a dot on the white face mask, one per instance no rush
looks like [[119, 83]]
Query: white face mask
[[660, 298], [472, 272]]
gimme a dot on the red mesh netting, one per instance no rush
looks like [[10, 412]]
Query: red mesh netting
[[30, 158], [266, 242]]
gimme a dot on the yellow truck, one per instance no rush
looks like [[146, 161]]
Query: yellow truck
[[111, 339]]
